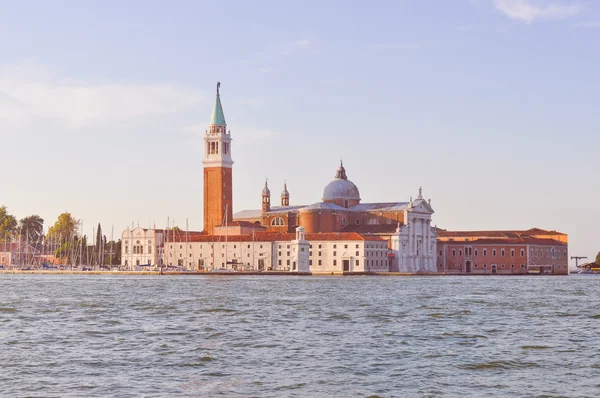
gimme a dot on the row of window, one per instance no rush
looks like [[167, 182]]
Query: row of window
[[138, 249], [485, 266], [534, 252], [212, 148], [137, 242]]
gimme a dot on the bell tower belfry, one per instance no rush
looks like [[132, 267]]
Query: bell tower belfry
[[218, 165]]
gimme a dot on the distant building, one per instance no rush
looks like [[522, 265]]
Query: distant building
[[343, 233], [141, 247], [503, 252], [19, 254], [276, 251]]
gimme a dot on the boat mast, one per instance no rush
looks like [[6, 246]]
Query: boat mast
[[226, 236]]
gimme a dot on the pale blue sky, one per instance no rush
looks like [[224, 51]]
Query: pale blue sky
[[491, 105]]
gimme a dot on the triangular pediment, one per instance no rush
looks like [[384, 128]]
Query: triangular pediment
[[422, 206]]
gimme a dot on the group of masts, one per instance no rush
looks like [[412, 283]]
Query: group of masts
[[52, 250]]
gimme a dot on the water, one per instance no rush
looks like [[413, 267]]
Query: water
[[73, 335]]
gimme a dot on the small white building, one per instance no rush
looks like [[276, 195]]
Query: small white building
[[141, 247]]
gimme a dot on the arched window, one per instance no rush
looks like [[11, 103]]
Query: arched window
[[277, 221], [373, 221], [344, 221]]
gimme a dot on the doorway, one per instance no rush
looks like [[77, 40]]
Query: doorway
[[494, 269], [346, 265], [468, 266]]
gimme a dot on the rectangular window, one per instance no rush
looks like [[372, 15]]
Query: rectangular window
[[319, 254], [334, 263], [288, 253], [334, 254], [357, 262], [309, 262], [460, 252], [279, 254], [476, 252], [279, 262], [335, 246], [357, 246], [357, 253], [310, 253], [345, 246], [319, 262], [288, 262]]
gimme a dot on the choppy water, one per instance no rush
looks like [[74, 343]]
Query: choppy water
[[294, 336]]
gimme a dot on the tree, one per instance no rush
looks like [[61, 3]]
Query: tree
[[8, 224], [32, 227], [98, 238], [64, 229], [598, 258]]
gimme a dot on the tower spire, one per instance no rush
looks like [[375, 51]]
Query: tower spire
[[218, 117], [285, 195], [266, 198]]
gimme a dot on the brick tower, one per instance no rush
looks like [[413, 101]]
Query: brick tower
[[218, 189]]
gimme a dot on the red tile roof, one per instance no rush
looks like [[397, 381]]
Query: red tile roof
[[525, 240], [270, 237], [442, 233], [384, 229]]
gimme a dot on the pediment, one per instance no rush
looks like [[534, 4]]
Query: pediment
[[422, 206]]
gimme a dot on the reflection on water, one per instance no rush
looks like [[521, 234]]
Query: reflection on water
[[74, 335]]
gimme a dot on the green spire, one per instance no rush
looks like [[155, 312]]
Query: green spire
[[218, 117]]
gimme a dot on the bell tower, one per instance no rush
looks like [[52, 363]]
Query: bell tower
[[218, 189], [266, 199]]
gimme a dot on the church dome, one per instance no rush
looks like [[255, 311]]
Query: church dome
[[341, 187]]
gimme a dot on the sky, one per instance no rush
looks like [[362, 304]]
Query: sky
[[492, 106]]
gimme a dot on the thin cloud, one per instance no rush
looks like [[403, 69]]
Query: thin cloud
[[591, 25], [296, 46], [530, 10], [30, 95]]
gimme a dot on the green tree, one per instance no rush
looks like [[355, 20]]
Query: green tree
[[98, 237], [8, 224], [64, 229], [598, 258], [32, 227]]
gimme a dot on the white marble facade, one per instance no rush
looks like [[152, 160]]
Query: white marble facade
[[414, 245]]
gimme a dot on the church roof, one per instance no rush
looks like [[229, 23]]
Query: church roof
[[341, 187], [218, 117], [382, 207], [362, 207], [323, 206]]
